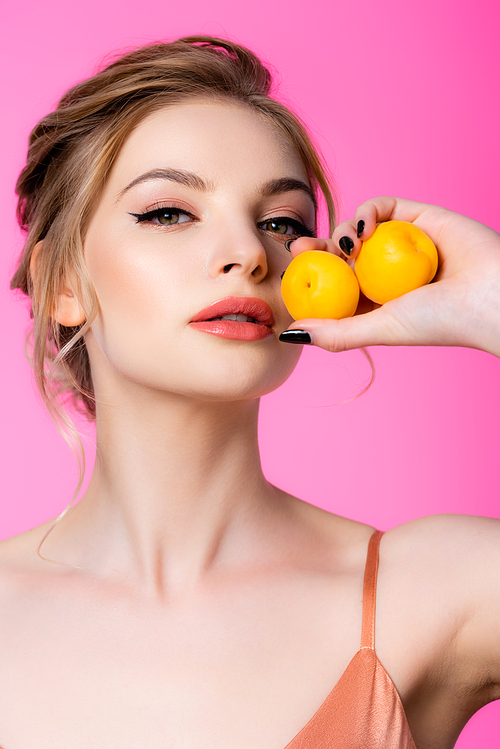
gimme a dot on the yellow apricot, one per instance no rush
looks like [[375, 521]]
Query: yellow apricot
[[399, 257], [319, 284]]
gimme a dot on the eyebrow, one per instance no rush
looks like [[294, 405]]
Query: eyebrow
[[189, 179], [172, 175], [288, 184]]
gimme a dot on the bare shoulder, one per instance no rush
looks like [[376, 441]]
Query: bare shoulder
[[20, 565], [450, 557], [445, 572], [19, 580], [455, 541]]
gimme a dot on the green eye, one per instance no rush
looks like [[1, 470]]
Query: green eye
[[168, 217], [278, 227], [286, 227]]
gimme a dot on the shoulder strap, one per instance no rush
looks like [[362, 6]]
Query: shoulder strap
[[369, 592]]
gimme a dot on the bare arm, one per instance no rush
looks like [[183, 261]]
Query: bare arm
[[447, 569]]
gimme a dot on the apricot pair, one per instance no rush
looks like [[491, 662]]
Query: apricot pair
[[398, 258]]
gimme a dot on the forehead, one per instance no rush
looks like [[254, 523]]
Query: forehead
[[224, 142]]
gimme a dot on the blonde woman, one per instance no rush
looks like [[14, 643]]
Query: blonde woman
[[185, 602]]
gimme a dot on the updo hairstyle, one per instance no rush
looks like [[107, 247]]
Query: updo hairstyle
[[71, 152]]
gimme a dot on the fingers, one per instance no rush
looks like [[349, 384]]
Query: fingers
[[346, 241], [349, 333], [385, 208], [372, 329], [350, 235]]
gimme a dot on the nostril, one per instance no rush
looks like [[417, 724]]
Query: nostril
[[227, 268]]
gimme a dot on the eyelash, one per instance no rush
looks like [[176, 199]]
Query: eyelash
[[301, 229], [157, 212]]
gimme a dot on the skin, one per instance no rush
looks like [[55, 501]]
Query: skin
[[193, 603]]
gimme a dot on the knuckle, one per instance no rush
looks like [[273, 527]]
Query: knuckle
[[344, 228], [337, 344]]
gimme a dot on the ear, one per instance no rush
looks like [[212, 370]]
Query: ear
[[68, 310]]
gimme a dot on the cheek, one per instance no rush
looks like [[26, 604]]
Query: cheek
[[140, 297], [135, 279]]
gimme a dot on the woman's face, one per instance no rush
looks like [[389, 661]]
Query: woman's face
[[196, 209]]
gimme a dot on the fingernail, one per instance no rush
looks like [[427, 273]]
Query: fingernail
[[288, 243], [296, 336], [283, 274], [346, 244], [360, 228]]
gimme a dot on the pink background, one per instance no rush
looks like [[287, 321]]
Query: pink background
[[403, 100]]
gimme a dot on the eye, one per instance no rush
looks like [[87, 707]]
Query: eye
[[165, 216], [286, 226]]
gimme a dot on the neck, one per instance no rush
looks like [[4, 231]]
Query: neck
[[177, 494]]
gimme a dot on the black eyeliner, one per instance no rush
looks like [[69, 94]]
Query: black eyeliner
[[156, 212], [303, 230]]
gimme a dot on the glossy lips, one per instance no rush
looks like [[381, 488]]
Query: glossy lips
[[236, 329]]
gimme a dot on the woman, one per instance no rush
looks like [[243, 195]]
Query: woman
[[185, 601]]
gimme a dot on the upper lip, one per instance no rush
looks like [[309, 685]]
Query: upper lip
[[251, 306]]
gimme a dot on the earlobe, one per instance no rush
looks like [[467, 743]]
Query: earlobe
[[67, 311], [34, 258]]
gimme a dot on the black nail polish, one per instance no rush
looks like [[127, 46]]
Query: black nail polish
[[295, 336], [346, 244], [360, 228], [288, 243], [283, 274]]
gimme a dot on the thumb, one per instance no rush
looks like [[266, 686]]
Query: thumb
[[376, 328]]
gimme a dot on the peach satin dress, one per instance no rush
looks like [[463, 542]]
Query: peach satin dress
[[364, 709]]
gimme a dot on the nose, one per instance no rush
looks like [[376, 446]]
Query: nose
[[238, 253]]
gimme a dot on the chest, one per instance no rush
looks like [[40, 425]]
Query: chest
[[241, 669]]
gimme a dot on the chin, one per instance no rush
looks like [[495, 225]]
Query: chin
[[203, 373], [232, 386], [234, 378]]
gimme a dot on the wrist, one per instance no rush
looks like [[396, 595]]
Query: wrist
[[488, 338]]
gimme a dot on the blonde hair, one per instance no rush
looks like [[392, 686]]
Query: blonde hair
[[71, 152]]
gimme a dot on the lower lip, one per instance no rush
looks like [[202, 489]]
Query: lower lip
[[238, 331]]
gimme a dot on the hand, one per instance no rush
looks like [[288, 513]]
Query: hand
[[460, 307]]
